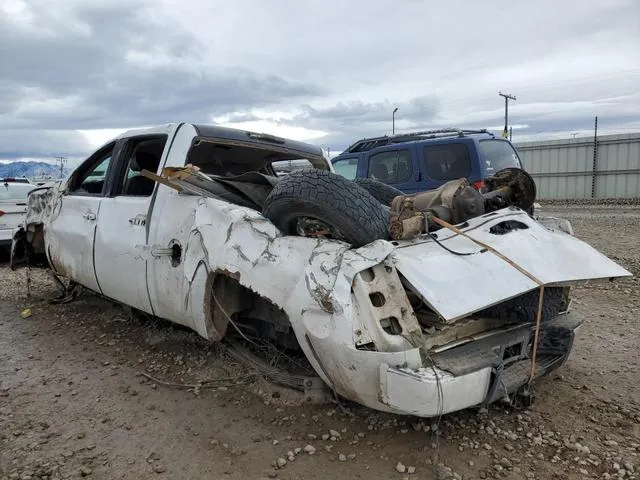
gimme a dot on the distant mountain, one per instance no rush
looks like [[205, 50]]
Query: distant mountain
[[29, 170]]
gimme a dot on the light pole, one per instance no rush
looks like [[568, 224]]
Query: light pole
[[393, 121]]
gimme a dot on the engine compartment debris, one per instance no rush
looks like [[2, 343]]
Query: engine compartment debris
[[457, 201]]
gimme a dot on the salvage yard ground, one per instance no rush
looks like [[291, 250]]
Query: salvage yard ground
[[74, 401]]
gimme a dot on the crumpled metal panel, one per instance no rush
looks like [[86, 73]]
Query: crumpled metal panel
[[455, 286], [39, 204]]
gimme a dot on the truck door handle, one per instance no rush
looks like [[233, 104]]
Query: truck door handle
[[89, 216]]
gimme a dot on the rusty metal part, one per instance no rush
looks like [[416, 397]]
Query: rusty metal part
[[314, 389], [510, 186], [466, 204], [405, 221], [403, 229], [455, 201]]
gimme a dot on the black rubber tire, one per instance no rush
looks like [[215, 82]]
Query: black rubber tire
[[525, 307], [380, 191], [346, 208]]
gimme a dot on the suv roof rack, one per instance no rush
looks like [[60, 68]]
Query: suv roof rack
[[369, 143]]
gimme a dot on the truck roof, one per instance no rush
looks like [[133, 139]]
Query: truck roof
[[215, 131], [235, 134]]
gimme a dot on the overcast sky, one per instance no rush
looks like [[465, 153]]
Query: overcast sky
[[73, 73]]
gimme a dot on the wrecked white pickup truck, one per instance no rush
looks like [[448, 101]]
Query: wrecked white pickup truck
[[190, 223]]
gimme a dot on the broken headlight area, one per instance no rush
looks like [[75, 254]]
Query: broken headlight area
[[493, 346], [386, 321]]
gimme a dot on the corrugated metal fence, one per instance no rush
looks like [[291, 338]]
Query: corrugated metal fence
[[606, 166]]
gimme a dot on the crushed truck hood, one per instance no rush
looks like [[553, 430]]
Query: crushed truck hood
[[457, 285]]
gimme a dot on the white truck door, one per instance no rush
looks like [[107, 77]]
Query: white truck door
[[121, 252], [69, 235], [172, 218]]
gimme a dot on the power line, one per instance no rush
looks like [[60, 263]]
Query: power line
[[63, 161]]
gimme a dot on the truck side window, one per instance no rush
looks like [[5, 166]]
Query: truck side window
[[447, 162], [145, 155], [347, 167], [89, 178], [390, 167]]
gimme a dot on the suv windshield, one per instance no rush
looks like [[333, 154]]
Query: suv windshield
[[498, 154]]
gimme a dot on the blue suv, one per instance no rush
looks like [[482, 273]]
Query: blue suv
[[419, 161]]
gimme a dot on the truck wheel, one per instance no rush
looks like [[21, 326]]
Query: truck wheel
[[380, 191], [318, 203], [525, 307]]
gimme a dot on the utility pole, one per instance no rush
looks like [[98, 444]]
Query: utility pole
[[507, 97], [594, 173], [393, 121], [62, 161]]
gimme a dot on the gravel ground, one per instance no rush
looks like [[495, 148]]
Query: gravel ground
[[74, 401]]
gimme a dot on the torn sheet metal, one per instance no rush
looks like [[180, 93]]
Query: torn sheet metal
[[272, 264], [457, 285], [39, 204], [310, 279]]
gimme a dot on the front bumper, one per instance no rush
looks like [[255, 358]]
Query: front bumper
[[479, 372]]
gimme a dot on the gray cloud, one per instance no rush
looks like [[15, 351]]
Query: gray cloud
[[419, 108], [334, 66], [41, 144], [113, 65], [351, 120]]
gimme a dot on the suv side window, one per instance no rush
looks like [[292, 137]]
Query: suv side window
[[390, 167], [347, 167], [448, 161]]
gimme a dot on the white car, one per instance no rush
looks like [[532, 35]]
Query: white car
[[13, 207], [190, 223]]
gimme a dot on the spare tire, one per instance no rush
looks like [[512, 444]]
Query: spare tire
[[319, 203], [380, 191]]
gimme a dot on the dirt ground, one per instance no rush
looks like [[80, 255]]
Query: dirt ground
[[74, 401]]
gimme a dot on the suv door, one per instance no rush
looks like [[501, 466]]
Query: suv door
[[121, 234], [70, 233], [442, 162], [393, 166]]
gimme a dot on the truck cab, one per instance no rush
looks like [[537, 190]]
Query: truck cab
[[419, 161]]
